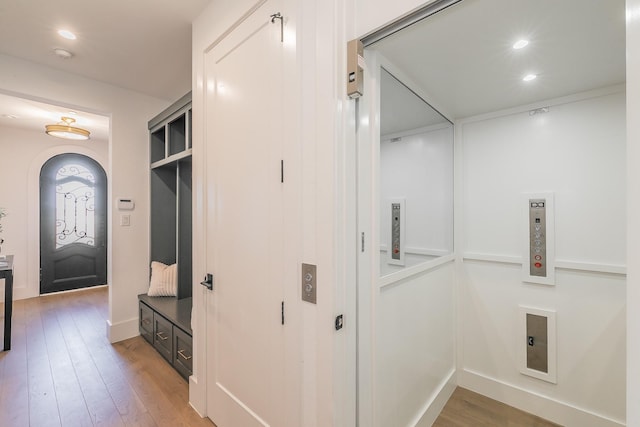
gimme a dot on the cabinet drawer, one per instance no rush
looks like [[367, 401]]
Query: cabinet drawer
[[162, 336], [146, 322], [182, 355]]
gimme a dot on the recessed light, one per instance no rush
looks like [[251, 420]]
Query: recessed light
[[520, 44], [62, 53], [67, 34], [529, 77]]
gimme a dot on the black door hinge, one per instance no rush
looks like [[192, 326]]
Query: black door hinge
[[281, 170], [282, 313]]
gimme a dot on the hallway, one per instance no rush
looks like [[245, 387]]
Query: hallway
[[62, 371]]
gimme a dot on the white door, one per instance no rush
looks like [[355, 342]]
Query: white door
[[243, 112]]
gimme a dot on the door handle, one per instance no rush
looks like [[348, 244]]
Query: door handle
[[208, 281]]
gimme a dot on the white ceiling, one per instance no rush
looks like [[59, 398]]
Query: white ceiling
[[140, 45], [463, 59]]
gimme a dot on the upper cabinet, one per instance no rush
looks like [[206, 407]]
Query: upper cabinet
[[171, 133]]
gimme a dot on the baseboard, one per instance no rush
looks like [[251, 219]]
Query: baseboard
[[434, 406], [23, 293], [122, 330], [197, 397], [552, 410]]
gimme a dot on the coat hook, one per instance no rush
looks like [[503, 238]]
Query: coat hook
[[275, 16]]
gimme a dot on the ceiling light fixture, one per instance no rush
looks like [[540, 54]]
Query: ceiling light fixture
[[67, 34], [520, 44], [529, 77], [62, 53], [63, 129]]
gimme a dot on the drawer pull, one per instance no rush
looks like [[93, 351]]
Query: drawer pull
[[181, 353], [161, 336]]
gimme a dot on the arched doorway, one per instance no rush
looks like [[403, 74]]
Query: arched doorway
[[73, 223]]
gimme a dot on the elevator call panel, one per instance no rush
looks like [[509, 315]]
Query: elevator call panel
[[395, 231], [537, 238]]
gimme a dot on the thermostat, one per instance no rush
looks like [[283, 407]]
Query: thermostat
[[126, 204]]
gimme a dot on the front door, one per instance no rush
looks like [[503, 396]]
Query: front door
[[244, 117], [73, 223]]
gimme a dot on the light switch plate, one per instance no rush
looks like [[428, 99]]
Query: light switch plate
[[309, 283]]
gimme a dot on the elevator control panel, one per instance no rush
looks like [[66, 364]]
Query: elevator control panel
[[395, 231], [537, 238]]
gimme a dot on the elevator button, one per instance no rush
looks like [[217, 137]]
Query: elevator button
[[538, 265]]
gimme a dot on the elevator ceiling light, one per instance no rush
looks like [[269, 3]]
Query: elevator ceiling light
[[520, 44], [529, 77], [67, 34], [63, 129]]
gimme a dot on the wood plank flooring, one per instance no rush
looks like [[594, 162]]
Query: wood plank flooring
[[62, 371], [468, 409]]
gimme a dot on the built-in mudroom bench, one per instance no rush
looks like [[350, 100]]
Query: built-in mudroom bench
[[165, 310], [166, 323]]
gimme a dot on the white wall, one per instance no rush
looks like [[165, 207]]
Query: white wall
[[577, 151], [633, 212], [414, 347], [24, 153], [128, 170]]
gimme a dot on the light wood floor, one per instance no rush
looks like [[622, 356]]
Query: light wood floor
[[62, 371], [468, 409]]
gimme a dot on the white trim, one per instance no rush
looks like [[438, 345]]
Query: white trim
[[424, 267], [197, 401], [235, 25], [417, 131], [596, 93], [420, 251], [501, 259], [592, 267], [545, 407], [589, 267], [432, 408], [122, 330]]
